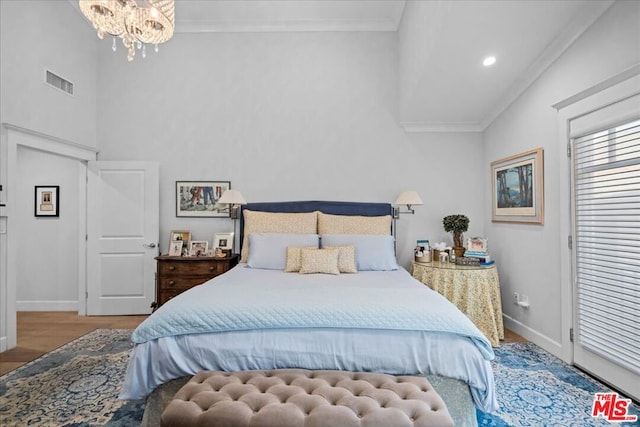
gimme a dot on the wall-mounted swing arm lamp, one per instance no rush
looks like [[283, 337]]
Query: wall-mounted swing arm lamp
[[409, 198], [234, 199]]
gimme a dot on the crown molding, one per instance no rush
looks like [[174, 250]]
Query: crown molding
[[627, 74]]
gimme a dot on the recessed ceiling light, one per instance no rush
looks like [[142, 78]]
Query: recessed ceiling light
[[489, 60]]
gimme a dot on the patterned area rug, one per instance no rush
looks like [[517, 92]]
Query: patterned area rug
[[536, 388], [74, 385], [78, 384]]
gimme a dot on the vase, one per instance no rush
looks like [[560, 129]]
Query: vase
[[459, 251]]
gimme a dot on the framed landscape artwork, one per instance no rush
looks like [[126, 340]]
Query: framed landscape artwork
[[200, 199], [518, 188]]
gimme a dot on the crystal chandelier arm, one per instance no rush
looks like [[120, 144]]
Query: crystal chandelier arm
[[131, 22]]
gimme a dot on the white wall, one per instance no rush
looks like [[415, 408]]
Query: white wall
[[35, 36], [415, 37], [47, 252], [47, 34], [283, 116], [529, 255]]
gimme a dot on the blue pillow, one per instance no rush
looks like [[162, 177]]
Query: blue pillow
[[373, 252], [269, 250]]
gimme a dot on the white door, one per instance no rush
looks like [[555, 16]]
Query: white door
[[122, 236], [606, 194]]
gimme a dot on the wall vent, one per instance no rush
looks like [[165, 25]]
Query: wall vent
[[59, 83]]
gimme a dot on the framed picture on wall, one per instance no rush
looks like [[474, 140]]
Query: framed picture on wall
[[200, 199], [518, 188], [47, 200]]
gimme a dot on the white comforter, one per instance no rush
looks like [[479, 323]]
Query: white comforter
[[266, 319]]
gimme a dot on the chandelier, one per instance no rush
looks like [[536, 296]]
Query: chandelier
[[136, 22]]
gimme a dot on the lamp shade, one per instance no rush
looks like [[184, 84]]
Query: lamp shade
[[409, 198], [232, 197]]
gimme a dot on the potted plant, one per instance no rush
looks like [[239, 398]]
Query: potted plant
[[456, 224]]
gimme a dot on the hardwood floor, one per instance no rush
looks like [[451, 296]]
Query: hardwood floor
[[42, 331]]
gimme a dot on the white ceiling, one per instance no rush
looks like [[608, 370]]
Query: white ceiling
[[455, 92], [288, 15]]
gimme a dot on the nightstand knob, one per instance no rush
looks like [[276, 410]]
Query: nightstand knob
[[171, 267], [171, 283], [211, 268]]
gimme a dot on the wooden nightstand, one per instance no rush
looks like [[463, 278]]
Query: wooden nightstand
[[177, 274]]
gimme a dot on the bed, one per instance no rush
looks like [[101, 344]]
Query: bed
[[317, 287]]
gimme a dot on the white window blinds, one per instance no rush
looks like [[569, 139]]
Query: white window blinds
[[607, 223]]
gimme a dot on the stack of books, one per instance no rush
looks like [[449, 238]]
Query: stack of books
[[477, 249]]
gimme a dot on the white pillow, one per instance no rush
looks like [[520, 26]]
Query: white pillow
[[373, 252], [276, 222], [269, 250]]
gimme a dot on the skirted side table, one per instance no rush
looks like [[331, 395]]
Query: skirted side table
[[474, 290]]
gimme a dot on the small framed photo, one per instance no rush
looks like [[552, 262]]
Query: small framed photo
[[198, 248], [47, 200], [224, 242], [175, 248], [477, 244], [200, 199], [184, 235]]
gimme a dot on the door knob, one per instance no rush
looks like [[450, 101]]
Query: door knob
[[150, 245]]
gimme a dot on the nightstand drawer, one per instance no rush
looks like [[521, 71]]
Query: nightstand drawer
[[191, 268], [182, 283]]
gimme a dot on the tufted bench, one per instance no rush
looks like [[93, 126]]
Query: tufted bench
[[298, 397]]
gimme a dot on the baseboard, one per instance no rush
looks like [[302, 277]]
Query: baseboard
[[46, 305], [3, 344], [534, 336]]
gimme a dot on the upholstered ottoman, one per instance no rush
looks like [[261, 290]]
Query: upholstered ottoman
[[298, 397]]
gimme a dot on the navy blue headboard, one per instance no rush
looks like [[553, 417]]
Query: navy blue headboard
[[334, 208]]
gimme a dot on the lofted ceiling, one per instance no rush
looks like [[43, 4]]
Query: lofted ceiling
[[453, 91]]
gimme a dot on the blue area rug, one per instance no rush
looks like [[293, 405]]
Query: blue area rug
[[77, 385], [536, 388]]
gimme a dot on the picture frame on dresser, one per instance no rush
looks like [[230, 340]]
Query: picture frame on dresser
[[184, 235], [200, 199], [224, 242], [477, 244], [175, 248], [198, 248], [47, 201], [518, 188]]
